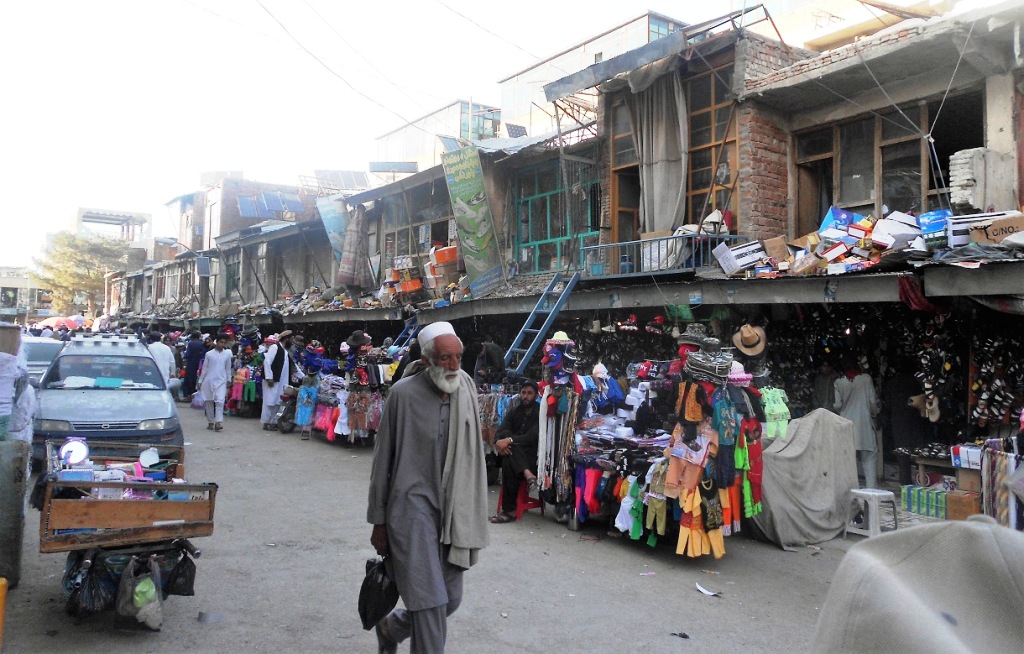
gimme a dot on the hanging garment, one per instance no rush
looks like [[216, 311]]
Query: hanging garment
[[776, 412], [624, 518], [305, 403]]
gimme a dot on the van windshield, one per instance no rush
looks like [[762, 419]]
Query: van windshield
[[104, 372]]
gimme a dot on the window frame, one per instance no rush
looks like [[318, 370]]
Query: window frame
[[557, 237], [721, 147], [928, 198]]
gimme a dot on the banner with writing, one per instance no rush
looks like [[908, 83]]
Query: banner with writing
[[465, 177]]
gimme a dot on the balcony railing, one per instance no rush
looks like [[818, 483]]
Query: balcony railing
[[656, 256]]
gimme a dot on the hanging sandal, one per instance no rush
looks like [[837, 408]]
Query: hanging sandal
[[502, 518]]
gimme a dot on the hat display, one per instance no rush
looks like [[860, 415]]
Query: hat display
[[738, 376], [271, 340], [358, 338], [709, 363], [432, 331], [695, 334], [345, 349], [750, 340], [600, 371], [560, 337]]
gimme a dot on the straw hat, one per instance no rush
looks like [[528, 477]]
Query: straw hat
[[750, 340]]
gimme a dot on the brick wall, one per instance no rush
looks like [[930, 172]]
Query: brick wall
[[763, 175], [758, 58], [811, 62]]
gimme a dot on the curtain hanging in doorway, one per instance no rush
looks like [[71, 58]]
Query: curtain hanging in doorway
[[657, 110]]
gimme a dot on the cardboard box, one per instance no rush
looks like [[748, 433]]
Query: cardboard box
[[776, 248], [449, 254], [857, 231], [838, 219], [961, 504], [995, 230], [893, 234], [835, 251], [959, 230], [805, 242], [410, 285], [968, 480], [740, 257]]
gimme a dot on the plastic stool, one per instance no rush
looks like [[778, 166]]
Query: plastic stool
[[871, 500], [523, 501]]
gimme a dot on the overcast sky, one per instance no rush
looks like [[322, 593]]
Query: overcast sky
[[119, 105]]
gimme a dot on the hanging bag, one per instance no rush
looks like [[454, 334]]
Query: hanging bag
[[378, 594]]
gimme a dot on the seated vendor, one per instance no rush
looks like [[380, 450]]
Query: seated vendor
[[516, 444]]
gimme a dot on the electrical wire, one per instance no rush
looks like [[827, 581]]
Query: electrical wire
[[366, 59], [339, 76], [495, 34], [953, 76]]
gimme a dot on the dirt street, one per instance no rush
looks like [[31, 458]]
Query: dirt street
[[282, 573]]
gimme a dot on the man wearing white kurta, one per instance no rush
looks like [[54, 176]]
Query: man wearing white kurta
[[163, 355], [213, 382], [276, 369]]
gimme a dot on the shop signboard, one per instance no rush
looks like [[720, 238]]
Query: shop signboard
[[334, 214], [478, 245]]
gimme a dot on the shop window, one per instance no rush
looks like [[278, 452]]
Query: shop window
[[232, 273], [623, 147], [837, 164], [857, 161], [552, 223], [8, 298], [901, 176], [713, 155], [427, 227]]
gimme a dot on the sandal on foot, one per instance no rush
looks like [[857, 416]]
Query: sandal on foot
[[502, 518], [532, 485], [209, 426], [218, 426]]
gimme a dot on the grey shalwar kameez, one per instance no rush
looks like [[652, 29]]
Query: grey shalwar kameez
[[410, 496], [856, 401]]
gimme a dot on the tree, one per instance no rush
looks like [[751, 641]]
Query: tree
[[75, 266]]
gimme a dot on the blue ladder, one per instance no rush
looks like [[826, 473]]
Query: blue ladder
[[410, 331], [548, 306]]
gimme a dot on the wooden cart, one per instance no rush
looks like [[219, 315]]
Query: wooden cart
[[75, 518]]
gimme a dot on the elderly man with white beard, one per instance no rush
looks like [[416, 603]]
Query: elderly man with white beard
[[428, 491]]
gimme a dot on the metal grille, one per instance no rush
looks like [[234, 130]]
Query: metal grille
[[104, 426]]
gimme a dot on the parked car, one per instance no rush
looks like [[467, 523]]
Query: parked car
[[105, 387], [38, 352]]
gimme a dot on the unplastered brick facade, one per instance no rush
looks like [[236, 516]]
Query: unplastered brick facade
[[810, 63], [763, 194], [763, 172]]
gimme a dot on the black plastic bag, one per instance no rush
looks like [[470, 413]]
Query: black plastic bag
[[378, 595], [182, 579]]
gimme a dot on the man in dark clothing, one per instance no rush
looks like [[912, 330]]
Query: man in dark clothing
[[516, 443], [490, 364], [195, 351]]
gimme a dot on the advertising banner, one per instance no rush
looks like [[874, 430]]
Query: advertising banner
[[477, 242], [334, 213]]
